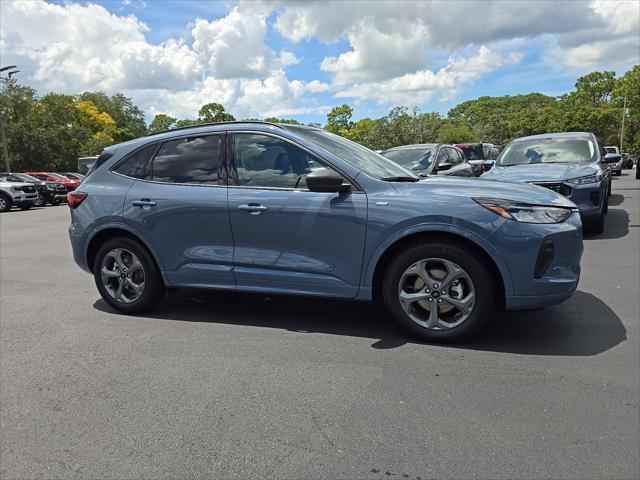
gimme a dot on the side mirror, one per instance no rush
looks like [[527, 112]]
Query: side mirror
[[612, 158], [327, 181], [443, 166]]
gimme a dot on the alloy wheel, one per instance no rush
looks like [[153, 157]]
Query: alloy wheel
[[436, 294], [123, 275]]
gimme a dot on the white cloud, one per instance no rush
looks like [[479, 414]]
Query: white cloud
[[419, 87], [233, 46], [74, 46]]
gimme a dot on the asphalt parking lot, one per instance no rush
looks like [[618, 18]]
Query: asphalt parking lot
[[244, 386]]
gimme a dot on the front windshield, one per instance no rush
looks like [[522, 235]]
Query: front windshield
[[368, 161], [548, 150], [414, 159], [5, 177], [26, 178]]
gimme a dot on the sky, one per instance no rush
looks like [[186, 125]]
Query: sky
[[298, 59]]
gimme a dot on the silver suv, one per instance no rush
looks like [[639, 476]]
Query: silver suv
[[13, 192]]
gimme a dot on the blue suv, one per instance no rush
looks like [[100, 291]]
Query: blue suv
[[568, 163], [258, 207]]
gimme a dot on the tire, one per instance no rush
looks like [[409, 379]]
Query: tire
[[41, 201], [478, 281], [597, 225], [54, 202], [26, 206], [618, 173], [5, 202], [154, 289]]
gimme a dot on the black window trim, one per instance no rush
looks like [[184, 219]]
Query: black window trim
[[233, 172], [222, 174]]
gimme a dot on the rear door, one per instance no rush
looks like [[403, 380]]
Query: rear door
[[179, 204], [286, 238]]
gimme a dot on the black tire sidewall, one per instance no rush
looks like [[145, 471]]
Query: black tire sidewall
[[8, 203], [154, 289], [478, 271]]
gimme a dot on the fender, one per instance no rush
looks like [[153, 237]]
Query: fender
[[123, 226], [440, 227]]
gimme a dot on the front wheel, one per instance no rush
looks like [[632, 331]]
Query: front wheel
[[127, 277], [618, 173], [55, 202], [439, 292], [5, 203], [26, 206], [41, 201]]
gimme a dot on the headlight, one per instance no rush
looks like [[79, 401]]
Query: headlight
[[584, 180], [14, 189], [525, 213]]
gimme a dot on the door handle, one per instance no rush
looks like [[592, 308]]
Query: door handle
[[145, 202], [252, 208]]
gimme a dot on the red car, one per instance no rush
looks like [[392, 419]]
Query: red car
[[55, 177]]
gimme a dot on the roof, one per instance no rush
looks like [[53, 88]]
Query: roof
[[555, 135], [414, 146]]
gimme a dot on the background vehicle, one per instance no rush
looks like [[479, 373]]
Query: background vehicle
[[72, 175], [48, 192], [13, 192], [615, 167], [480, 155], [568, 163], [85, 164], [182, 208], [55, 177], [420, 159], [627, 161]]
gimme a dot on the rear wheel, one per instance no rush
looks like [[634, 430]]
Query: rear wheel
[[5, 203], [127, 277], [439, 292]]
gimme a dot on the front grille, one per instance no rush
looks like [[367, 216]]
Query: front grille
[[27, 189], [560, 188]]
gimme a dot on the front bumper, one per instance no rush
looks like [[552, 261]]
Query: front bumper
[[589, 198], [559, 280], [20, 198]]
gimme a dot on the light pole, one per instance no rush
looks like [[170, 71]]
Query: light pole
[[624, 114], [3, 138]]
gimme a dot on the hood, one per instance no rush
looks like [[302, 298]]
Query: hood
[[542, 172], [15, 184], [485, 188]]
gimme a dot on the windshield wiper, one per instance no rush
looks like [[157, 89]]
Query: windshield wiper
[[400, 179]]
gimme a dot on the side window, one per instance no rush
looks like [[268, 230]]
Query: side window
[[138, 164], [188, 160], [454, 155], [263, 161], [442, 156]]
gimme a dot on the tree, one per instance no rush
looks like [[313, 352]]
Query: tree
[[161, 122], [128, 117], [214, 112], [456, 130], [281, 120], [595, 88], [339, 119]]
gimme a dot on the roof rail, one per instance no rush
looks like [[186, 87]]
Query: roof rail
[[214, 123]]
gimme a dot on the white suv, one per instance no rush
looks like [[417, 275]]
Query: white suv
[[16, 193]]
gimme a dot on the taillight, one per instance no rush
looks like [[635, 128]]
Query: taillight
[[75, 198]]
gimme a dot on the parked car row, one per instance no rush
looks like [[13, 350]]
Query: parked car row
[[288, 209], [35, 189]]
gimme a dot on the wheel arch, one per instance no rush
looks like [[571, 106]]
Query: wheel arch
[[388, 249], [107, 232]]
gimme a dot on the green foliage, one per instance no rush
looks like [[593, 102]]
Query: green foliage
[[339, 119], [282, 120], [162, 122], [214, 112]]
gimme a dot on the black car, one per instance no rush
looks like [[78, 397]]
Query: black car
[[48, 192], [430, 159], [72, 175], [481, 156]]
